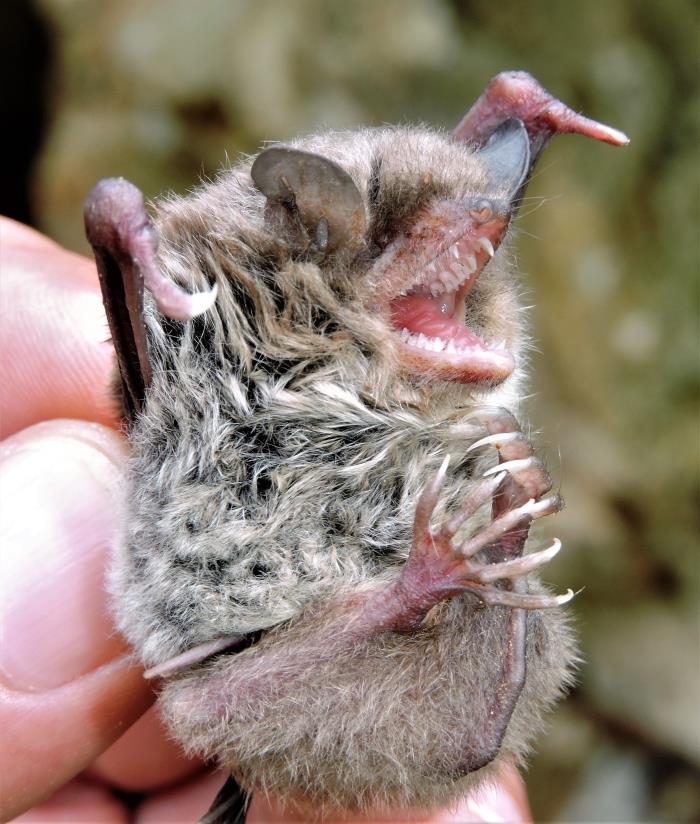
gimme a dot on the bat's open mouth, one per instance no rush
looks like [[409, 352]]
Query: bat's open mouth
[[428, 312]]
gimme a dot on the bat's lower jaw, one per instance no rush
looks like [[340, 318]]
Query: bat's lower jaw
[[478, 363]]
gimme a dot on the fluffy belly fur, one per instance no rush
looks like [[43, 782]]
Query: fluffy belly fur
[[394, 723]]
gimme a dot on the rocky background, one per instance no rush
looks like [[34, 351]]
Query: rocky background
[[164, 91]]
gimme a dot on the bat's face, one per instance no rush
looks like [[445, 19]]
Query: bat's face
[[423, 217]]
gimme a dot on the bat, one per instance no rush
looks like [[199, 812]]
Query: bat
[[329, 490]]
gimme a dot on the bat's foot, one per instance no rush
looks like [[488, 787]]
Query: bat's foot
[[442, 566]]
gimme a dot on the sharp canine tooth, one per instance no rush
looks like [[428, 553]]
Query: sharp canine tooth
[[487, 246]]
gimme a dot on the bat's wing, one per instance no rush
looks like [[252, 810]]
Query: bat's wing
[[517, 96], [125, 244]]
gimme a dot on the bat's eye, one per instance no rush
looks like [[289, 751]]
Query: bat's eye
[[482, 210]]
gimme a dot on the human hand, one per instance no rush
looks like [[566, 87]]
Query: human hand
[[68, 687]]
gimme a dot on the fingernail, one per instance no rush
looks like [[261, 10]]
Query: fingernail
[[58, 517]]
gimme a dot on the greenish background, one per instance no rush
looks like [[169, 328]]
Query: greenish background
[[164, 91]]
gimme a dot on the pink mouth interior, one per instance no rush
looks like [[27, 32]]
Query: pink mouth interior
[[434, 317], [427, 309]]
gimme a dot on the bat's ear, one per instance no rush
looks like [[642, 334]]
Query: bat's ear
[[311, 201], [506, 159]]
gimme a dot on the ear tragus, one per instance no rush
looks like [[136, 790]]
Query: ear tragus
[[310, 199]]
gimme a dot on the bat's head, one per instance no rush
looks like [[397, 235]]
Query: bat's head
[[377, 256], [406, 227], [404, 223]]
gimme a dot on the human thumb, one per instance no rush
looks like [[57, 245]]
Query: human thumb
[[68, 687]]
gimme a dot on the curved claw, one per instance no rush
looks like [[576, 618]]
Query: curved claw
[[517, 465], [496, 440], [508, 521], [504, 598], [476, 498], [518, 566], [428, 499], [192, 656]]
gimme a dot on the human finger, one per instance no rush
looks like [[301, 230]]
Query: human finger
[[68, 687], [79, 802], [144, 758], [57, 359], [183, 804]]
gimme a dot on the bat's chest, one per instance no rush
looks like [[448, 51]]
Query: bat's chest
[[276, 518]]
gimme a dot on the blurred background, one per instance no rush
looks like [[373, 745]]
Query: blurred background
[[164, 91]]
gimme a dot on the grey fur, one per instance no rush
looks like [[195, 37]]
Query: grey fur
[[275, 471]]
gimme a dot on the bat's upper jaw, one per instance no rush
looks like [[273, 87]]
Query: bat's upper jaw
[[422, 281]]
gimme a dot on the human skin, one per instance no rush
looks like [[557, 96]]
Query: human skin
[[75, 710]]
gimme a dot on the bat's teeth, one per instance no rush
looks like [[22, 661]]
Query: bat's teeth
[[470, 261], [450, 348], [421, 341], [448, 281], [487, 246]]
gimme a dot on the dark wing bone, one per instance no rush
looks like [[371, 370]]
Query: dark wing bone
[[125, 243]]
